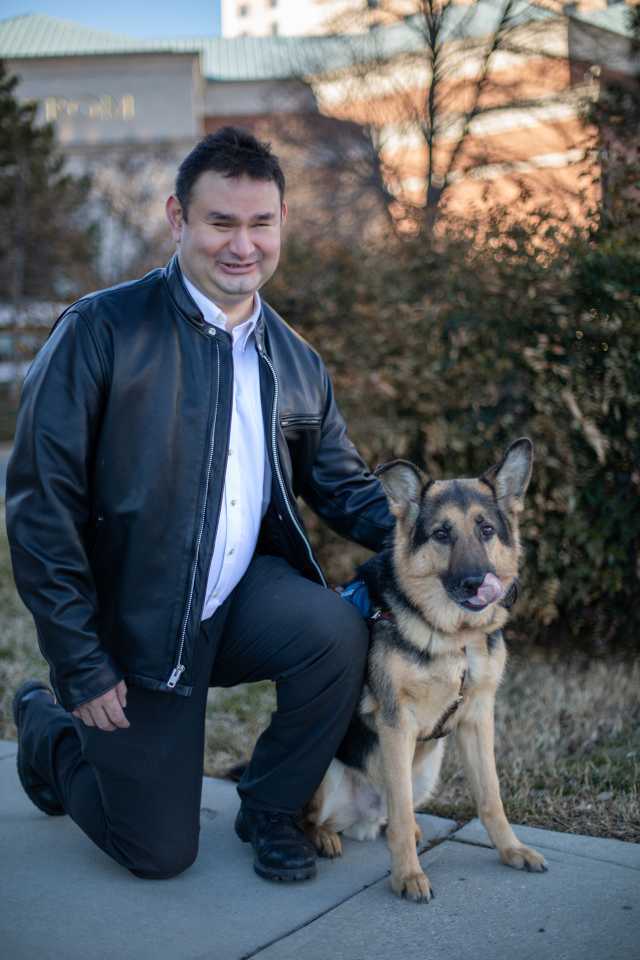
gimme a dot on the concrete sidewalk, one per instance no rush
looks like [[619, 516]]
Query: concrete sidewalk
[[61, 897]]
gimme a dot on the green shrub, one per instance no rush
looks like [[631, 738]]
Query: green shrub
[[445, 355]]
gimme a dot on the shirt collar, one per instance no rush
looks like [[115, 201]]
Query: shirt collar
[[217, 318]]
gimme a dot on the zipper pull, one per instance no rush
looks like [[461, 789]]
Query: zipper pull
[[175, 676]]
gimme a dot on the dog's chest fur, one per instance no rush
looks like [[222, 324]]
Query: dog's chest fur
[[415, 689], [433, 685]]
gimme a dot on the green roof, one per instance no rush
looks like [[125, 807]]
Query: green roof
[[36, 35], [263, 58]]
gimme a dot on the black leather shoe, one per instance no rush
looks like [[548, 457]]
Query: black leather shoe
[[38, 791], [282, 852]]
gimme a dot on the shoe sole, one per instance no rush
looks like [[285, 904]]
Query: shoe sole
[[52, 809], [285, 876]]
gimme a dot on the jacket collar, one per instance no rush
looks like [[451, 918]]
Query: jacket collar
[[179, 293], [187, 305]]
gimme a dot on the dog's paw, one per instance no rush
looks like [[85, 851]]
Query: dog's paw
[[327, 842], [523, 858], [413, 886]]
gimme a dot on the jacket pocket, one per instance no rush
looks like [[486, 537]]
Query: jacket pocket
[[301, 433], [300, 420]]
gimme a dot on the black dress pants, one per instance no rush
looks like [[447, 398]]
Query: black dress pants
[[136, 792]]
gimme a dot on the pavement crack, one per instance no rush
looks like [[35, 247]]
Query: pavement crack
[[430, 845], [311, 920], [548, 849], [437, 841]]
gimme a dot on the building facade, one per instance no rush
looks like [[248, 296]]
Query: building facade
[[346, 112], [263, 18]]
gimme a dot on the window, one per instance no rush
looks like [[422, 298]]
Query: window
[[243, 10]]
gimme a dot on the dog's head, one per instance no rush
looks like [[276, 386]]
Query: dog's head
[[456, 541]]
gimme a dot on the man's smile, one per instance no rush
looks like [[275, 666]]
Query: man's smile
[[237, 268]]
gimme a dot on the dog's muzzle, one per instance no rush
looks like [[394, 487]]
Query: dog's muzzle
[[476, 593]]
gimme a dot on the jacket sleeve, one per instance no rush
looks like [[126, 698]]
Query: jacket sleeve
[[341, 489], [48, 508]]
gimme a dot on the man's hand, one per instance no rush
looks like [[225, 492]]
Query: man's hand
[[106, 711]]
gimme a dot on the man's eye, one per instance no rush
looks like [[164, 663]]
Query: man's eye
[[441, 535], [487, 530]]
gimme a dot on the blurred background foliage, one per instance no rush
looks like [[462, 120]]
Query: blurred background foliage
[[445, 353], [48, 241]]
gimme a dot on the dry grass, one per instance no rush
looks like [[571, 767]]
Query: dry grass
[[567, 743], [567, 746]]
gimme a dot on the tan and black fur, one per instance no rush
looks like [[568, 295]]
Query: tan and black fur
[[435, 664]]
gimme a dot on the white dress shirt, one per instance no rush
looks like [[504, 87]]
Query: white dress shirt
[[247, 484]]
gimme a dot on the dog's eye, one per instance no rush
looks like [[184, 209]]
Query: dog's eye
[[441, 535], [487, 531]]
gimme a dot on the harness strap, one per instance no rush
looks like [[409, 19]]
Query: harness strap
[[438, 731]]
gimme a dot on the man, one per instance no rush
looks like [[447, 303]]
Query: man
[[166, 428]]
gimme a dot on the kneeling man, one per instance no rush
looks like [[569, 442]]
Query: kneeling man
[[166, 428]]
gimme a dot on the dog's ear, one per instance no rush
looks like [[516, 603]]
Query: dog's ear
[[403, 484], [510, 478]]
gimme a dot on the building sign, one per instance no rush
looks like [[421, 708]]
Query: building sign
[[104, 107]]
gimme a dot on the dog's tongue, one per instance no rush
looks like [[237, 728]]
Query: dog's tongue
[[489, 590]]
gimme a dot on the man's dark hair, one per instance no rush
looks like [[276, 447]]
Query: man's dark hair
[[233, 152]]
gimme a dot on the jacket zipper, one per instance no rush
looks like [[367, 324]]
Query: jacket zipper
[[179, 668], [276, 462]]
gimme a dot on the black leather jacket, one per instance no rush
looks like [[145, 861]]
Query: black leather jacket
[[116, 478]]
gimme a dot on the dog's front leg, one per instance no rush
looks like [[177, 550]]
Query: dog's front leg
[[397, 746], [475, 737]]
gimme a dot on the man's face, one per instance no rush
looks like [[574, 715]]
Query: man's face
[[230, 244]]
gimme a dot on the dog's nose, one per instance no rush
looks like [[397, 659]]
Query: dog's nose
[[470, 585]]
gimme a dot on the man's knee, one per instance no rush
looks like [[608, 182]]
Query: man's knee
[[343, 635], [163, 861]]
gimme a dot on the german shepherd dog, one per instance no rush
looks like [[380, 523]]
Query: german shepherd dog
[[436, 658]]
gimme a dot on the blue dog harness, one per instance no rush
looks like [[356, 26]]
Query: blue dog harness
[[357, 593]]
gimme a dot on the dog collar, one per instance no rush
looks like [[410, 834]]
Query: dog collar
[[511, 595], [381, 615]]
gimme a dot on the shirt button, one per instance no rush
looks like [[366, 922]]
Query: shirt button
[[231, 552], [211, 331], [230, 452], [233, 503]]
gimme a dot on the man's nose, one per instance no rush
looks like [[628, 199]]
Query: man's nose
[[241, 244]]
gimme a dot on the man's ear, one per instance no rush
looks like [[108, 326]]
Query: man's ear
[[510, 478], [175, 216], [403, 484], [284, 212]]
